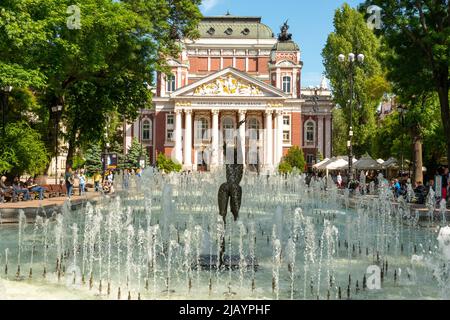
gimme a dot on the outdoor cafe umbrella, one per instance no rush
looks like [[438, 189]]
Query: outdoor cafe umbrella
[[367, 163], [317, 165]]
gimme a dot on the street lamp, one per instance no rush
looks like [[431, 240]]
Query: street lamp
[[401, 112], [57, 111], [352, 59], [6, 91]]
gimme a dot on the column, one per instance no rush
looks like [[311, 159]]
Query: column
[[241, 141], [215, 138], [320, 135], [188, 140], [279, 137], [137, 129], [269, 140], [178, 137], [328, 137]]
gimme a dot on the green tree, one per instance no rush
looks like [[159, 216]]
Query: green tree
[[135, 151], [293, 159], [284, 168], [351, 35], [421, 126], [22, 151], [104, 66], [93, 159], [340, 134], [166, 164], [418, 33]]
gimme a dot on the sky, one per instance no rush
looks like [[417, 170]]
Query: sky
[[310, 23]]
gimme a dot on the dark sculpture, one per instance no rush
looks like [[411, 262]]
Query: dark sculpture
[[231, 191], [285, 35]]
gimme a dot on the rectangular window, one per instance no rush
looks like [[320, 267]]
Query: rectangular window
[[310, 159], [170, 81], [169, 137], [287, 84], [287, 129], [170, 127]]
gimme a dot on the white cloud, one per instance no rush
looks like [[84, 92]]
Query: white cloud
[[208, 5]]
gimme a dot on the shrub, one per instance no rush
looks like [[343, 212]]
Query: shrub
[[166, 164]]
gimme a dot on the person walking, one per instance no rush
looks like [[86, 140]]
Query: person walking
[[97, 179], [126, 179], [339, 180], [444, 183], [70, 180], [82, 183]]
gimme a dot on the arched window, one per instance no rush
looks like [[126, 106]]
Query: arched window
[[228, 129], [201, 129], [287, 84], [146, 130], [310, 132]]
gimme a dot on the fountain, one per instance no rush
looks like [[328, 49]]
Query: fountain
[[163, 240]]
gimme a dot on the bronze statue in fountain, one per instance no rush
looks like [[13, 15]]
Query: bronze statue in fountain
[[231, 191]]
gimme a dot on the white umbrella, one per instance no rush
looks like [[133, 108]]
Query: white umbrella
[[367, 163], [317, 165]]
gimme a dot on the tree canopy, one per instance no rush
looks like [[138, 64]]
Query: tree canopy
[[352, 35], [417, 33], [104, 67]]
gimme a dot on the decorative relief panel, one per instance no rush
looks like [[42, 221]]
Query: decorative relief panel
[[287, 56], [228, 86]]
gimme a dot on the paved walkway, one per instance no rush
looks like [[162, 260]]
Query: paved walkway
[[9, 211]]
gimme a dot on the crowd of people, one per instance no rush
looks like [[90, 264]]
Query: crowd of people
[[366, 182]]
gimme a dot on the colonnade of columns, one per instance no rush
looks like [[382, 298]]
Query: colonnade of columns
[[273, 139]]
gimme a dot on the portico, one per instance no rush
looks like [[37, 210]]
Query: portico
[[203, 132]]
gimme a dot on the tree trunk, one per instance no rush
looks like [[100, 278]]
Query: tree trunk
[[418, 162], [70, 154], [445, 115]]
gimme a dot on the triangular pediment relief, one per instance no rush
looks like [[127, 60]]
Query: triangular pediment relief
[[229, 83]]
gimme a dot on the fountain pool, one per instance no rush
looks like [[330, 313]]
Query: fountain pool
[[160, 240]]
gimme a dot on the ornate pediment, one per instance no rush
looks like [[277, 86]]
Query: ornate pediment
[[228, 86], [229, 82]]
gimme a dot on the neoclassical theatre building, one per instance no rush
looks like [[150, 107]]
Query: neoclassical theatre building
[[237, 70]]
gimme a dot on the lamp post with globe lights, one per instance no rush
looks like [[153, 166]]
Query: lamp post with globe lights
[[350, 63]]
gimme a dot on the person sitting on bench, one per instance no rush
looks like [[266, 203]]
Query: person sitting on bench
[[18, 189], [3, 189], [34, 187]]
